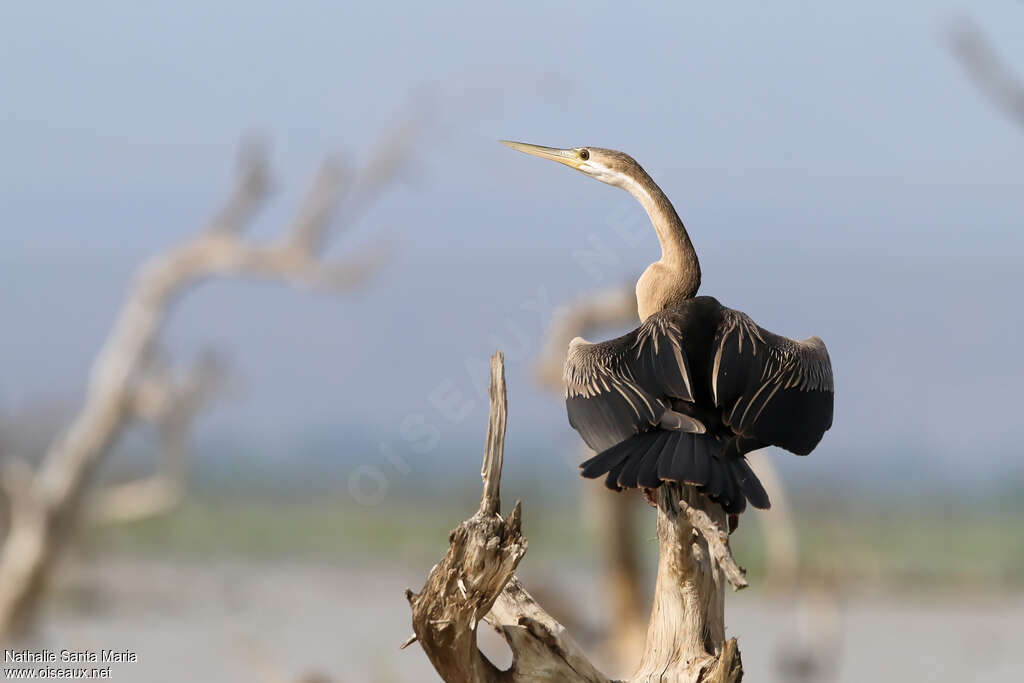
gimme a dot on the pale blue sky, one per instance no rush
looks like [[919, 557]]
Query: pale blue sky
[[839, 175]]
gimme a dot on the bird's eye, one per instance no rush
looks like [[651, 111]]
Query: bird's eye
[[584, 154]]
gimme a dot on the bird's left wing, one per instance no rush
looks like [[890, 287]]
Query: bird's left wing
[[617, 388], [771, 389]]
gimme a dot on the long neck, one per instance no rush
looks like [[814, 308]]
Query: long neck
[[677, 252]]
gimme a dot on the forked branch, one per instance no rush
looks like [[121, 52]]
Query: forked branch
[[475, 580]]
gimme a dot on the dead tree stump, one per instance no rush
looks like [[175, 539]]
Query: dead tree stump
[[475, 580]]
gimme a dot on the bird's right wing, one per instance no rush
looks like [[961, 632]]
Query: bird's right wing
[[617, 388]]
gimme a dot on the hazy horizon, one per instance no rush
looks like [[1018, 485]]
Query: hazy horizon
[[869, 195]]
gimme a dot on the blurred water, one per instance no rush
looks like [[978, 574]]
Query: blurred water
[[227, 620]]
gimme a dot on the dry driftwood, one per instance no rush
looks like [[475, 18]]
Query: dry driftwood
[[475, 580], [44, 505]]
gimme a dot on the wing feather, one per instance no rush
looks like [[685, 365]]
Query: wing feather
[[618, 388], [771, 388], [748, 388]]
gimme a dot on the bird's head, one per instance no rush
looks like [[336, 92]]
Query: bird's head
[[607, 165]]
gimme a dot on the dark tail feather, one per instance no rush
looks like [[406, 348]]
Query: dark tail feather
[[750, 484], [628, 475], [715, 485], [666, 464], [607, 460], [701, 466], [681, 461], [612, 480], [642, 458], [647, 477], [622, 460], [647, 459], [735, 501]]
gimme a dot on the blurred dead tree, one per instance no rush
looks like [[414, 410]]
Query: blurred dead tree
[[171, 404], [614, 517], [979, 58], [807, 651], [129, 382], [475, 580]]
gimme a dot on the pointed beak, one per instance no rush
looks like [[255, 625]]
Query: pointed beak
[[569, 157]]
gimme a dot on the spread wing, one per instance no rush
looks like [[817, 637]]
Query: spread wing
[[617, 388], [771, 388]]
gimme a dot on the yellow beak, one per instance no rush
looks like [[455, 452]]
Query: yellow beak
[[569, 157]]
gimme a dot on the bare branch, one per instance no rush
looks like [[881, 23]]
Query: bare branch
[[339, 187], [250, 190], [16, 482], [352, 271], [388, 159], [718, 543], [308, 231], [494, 450], [975, 53]]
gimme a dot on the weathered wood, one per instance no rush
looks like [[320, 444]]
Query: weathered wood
[[494, 448], [686, 633], [475, 580], [717, 540], [544, 651]]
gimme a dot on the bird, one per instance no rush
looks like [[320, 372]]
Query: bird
[[697, 386]]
